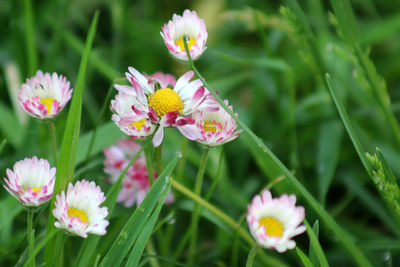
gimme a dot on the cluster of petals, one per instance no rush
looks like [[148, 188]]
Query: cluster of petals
[[188, 26], [213, 125], [31, 181], [274, 221], [140, 107], [44, 95], [135, 183], [78, 211]]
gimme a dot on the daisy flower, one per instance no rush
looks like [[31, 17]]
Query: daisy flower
[[135, 184], [188, 26], [44, 96], [31, 181], [163, 107], [79, 212], [213, 125], [274, 221]]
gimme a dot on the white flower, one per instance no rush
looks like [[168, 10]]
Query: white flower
[[274, 221], [31, 181], [188, 26], [79, 212], [44, 96]]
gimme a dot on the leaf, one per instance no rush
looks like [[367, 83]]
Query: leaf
[[69, 145], [306, 261], [316, 251], [131, 230]]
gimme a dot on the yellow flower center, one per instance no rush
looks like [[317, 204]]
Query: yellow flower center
[[272, 226], [35, 189], [138, 124], [48, 102], [72, 212], [210, 126], [181, 44], [164, 101]]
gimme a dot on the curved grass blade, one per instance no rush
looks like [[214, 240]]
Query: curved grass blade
[[131, 230], [315, 247], [303, 257], [147, 230], [69, 145]]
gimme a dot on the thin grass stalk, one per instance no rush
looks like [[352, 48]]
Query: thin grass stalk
[[196, 210], [31, 235], [345, 239], [53, 135], [223, 217], [30, 38], [252, 256], [148, 156]]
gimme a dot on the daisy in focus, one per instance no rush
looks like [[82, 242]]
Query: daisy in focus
[[78, 211], [44, 96], [213, 125], [31, 181], [135, 184], [151, 108], [274, 221], [190, 27]]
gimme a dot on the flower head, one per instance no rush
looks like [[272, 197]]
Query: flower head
[[31, 181], [135, 184], [213, 125], [188, 26], [79, 212], [44, 96], [150, 108], [274, 221]]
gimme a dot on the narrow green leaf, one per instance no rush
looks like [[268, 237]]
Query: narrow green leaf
[[69, 145], [311, 253], [315, 247], [347, 21], [346, 121], [90, 244], [303, 257], [252, 256], [131, 230], [145, 233], [30, 38]]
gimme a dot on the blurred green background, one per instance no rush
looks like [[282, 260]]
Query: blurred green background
[[259, 58]]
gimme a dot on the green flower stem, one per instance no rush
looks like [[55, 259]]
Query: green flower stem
[[31, 235], [252, 256], [30, 38], [346, 240], [157, 155], [226, 219], [147, 155], [53, 135], [196, 210]]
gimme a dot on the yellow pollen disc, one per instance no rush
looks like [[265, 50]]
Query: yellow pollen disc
[[72, 212], [48, 102], [35, 189], [272, 226], [138, 124], [209, 126], [164, 101], [191, 42]]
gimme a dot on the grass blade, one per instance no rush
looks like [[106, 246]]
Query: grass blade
[[30, 38], [69, 145], [303, 257], [131, 230], [144, 235], [315, 246]]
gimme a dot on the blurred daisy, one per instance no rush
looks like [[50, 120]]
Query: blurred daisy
[[135, 184], [163, 107], [188, 26], [79, 212], [274, 221], [31, 181], [44, 96], [213, 125]]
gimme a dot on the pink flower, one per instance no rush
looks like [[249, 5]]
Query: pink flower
[[188, 26], [135, 184], [274, 221], [213, 125], [78, 211], [31, 181], [152, 108], [44, 96]]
